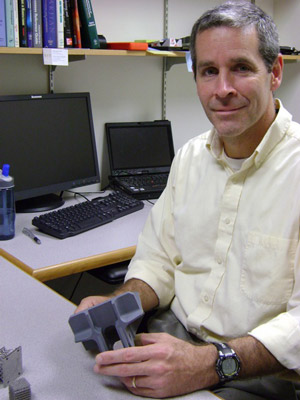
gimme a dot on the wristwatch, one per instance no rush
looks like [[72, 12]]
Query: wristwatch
[[228, 364]]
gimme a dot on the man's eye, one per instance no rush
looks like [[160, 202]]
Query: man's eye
[[242, 68], [209, 71]]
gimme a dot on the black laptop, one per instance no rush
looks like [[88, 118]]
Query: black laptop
[[140, 156]]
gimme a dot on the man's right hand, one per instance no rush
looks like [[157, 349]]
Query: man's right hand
[[148, 297], [90, 301]]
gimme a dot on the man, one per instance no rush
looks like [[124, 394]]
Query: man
[[220, 248]]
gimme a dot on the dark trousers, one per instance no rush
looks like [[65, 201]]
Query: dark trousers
[[265, 388]]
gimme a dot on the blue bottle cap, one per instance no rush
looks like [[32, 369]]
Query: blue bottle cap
[[5, 169]]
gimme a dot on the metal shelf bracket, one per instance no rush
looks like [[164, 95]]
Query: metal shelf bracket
[[52, 69], [173, 61], [164, 69]]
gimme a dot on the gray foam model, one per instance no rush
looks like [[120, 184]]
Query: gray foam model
[[10, 364], [20, 390], [101, 326]]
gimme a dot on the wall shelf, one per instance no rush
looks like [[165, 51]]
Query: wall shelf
[[177, 56], [291, 58], [94, 52], [172, 57]]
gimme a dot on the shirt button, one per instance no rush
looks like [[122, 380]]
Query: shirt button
[[219, 260], [227, 221], [206, 298]]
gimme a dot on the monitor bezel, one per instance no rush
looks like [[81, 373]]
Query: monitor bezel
[[110, 126], [40, 194]]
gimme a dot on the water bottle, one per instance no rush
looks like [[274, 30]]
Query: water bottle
[[7, 204]]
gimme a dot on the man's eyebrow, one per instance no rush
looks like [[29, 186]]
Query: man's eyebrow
[[239, 60], [203, 64], [235, 60]]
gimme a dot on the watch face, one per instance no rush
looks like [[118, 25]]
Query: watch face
[[229, 366]]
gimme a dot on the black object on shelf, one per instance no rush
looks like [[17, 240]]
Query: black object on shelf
[[287, 50]]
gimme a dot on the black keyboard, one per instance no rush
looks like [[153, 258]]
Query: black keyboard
[[72, 220], [148, 183]]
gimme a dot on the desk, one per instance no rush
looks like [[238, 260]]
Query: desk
[[54, 258], [36, 318]]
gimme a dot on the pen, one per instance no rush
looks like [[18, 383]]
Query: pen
[[30, 234]]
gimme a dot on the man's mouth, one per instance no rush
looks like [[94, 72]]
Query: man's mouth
[[227, 110]]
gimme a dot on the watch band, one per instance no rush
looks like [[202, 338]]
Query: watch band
[[228, 363], [224, 348]]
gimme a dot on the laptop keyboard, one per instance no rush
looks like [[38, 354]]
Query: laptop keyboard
[[72, 220], [144, 183]]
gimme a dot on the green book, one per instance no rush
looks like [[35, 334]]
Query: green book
[[89, 35]]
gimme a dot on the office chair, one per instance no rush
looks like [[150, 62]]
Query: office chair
[[112, 274]]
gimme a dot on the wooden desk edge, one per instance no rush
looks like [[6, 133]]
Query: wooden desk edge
[[83, 264], [16, 262], [72, 267]]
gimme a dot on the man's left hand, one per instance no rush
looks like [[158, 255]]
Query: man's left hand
[[160, 366]]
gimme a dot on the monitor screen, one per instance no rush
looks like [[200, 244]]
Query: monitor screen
[[140, 145], [49, 142]]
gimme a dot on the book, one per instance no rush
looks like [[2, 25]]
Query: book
[[2, 24], [29, 23], [49, 23], [76, 24], [60, 24], [89, 35], [68, 36], [16, 23], [37, 27], [10, 33], [22, 23]]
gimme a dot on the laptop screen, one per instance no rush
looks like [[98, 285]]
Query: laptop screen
[[139, 146]]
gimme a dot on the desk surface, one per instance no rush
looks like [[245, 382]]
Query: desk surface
[[55, 258], [36, 318]]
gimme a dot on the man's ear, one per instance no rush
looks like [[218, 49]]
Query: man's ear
[[276, 73]]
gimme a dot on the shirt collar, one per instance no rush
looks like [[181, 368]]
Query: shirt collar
[[273, 136]]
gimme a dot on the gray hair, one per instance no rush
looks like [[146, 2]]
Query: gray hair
[[240, 14]]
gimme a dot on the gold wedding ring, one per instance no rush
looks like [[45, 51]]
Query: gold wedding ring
[[133, 382]]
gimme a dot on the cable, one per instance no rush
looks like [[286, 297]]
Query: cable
[[82, 195], [150, 202]]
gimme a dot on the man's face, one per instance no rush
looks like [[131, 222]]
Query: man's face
[[233, 83]]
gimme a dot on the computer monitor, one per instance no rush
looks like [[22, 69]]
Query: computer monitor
[[49, 142]]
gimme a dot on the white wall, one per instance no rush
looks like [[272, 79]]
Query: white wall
[[286, 16], [129, 88]]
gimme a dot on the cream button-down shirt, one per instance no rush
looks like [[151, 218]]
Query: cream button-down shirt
[[222, 246]]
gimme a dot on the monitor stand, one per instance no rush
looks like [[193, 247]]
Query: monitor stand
[[39, 204]]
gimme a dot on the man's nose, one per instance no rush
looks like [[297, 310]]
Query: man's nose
[[224, 85]]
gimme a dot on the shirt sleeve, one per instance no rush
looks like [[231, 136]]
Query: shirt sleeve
[[281, 335], [156, 255]]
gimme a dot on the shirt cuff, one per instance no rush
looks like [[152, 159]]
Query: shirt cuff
[[281, 336]]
